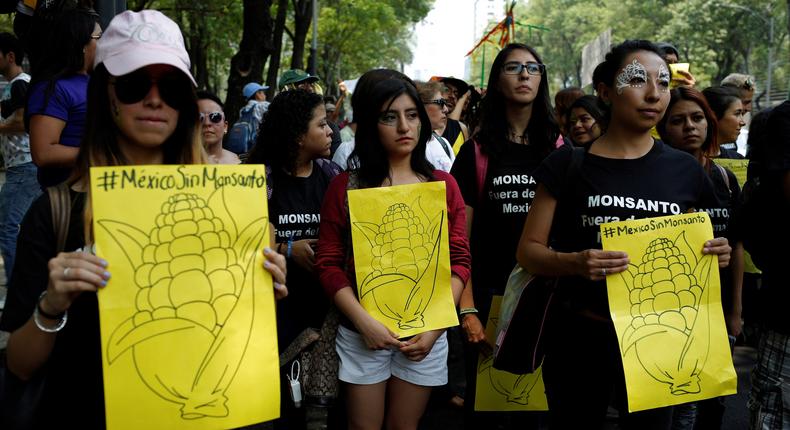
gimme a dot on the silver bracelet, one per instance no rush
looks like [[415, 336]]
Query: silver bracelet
[[37, 318]]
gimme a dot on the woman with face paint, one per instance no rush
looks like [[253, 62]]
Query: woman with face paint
[[142, 109], [583, 366], [495, 173]]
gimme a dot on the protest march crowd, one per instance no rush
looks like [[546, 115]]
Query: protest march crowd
[[528, 183]]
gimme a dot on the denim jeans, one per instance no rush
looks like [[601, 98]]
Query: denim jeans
[[20, 189]]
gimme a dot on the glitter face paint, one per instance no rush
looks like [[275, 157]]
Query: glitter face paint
[[663, 78], [634, 75]]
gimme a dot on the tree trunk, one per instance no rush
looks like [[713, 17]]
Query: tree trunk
[[198, 48], [303, 14], [277, 47], [247, 65]]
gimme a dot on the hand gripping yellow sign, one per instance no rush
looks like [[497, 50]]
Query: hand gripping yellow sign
[[401, 256], [188, 326], [667, 312], [497, 390]]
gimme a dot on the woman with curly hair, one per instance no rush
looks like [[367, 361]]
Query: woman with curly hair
[[293, 140]]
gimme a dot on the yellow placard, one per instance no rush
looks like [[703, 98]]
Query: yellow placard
[[497, 390], [667, 312], [402, 256], [188, 326], [740, 167]]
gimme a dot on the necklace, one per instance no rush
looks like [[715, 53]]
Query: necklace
[[521, 139]]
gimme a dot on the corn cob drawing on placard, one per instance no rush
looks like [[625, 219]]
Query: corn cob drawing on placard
[[667, 311], [401, 256], [196, 276], [497, 390]]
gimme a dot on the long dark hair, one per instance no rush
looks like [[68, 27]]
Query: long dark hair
[[721, 98], [99, 145], [592, 105], [65, 47], [542, 131], [373, 159], [606, 72], [710, 147], [283, 124]]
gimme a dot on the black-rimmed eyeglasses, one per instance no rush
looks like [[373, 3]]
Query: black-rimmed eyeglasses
[[532, 68]]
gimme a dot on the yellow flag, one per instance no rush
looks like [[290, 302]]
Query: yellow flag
[[667, 312], [188, 327], [402, 256], [497, 390], [739, 167]]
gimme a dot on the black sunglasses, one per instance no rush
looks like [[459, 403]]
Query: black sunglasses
[[440, 102], [214, 117], [132, 88]]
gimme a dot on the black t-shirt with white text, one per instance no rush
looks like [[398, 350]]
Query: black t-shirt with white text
[[295, 210], [499, 217], [727, 195], [663, 182]]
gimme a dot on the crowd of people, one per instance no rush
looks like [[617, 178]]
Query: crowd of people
[[111, 98]]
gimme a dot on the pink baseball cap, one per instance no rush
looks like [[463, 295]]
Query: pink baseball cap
[[137, 39]]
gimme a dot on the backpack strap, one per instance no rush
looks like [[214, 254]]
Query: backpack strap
[[481, 169], [724, 176], [60, 205], [329, 168]]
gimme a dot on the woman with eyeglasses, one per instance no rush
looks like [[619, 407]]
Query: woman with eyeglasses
[[438, 151], [388, 381], [585, 120], [215, 126], [57, 100], [141, 110], [494, 171], [583, 367]]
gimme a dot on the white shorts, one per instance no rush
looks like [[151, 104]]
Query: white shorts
[[364, 366]]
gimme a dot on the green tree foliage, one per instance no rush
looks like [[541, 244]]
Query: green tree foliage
[[355, 36], [212, 31], [717, 37]]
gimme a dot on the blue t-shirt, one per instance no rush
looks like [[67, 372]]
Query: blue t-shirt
[[67, 102]]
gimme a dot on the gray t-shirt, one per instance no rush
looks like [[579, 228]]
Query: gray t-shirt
[[15, 147]]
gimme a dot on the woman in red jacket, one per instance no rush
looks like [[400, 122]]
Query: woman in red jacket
[[393, 129]]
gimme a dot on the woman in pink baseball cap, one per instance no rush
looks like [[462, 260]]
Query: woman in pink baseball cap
[[142, 109]]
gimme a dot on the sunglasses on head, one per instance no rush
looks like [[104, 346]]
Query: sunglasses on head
[[132, 88], [213, 117]]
